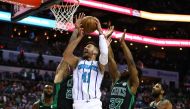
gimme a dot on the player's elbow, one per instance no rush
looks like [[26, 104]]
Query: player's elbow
[[136, 82], [65, 54], [57, 79]]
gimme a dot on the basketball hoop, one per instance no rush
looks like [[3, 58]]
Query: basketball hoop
[[64, 14]]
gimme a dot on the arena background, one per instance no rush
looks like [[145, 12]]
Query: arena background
[[31, 51]]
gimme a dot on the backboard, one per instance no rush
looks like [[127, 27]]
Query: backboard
[[24, 8]]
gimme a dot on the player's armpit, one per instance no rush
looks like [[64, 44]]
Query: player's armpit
[[68, 55], [102, 68], [71, 60]]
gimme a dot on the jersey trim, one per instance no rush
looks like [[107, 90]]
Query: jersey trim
[[96, 83], [132, 101], [78, 85], [57, 88], [89, 80], [129, 89]]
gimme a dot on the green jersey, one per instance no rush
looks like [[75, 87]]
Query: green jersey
[[121, 96]]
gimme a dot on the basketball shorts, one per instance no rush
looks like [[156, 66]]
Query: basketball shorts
[[90, 104]]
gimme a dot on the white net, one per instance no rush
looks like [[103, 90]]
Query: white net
[[64, 15]]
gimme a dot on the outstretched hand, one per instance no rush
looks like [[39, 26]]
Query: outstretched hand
[[108, 41], [78, 20], [122, 39], [108, 35], [109, 32]]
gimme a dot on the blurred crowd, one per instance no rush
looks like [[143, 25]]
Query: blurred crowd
[[158, 59], [18, 91]]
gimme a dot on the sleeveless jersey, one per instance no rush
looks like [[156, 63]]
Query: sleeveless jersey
[[155, 105], [63, 97], [43, 106], [87, 80], [121, 96]]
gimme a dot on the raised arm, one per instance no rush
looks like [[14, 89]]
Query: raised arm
[[133, 78], [68, 55], [77, 26], [112, 66], [103, 46], [62, 71]]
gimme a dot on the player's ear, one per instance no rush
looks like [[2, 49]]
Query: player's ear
[[95, 51], [162, 91]]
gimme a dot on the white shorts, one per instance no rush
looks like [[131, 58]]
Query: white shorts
[[90, 104]]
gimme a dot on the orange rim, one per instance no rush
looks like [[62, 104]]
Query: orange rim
[[30, 3]]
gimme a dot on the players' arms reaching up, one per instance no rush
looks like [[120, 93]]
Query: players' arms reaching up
[[68, 55], [62, 70], [103, 45], [133, 78], [112, 66], [77, 25]]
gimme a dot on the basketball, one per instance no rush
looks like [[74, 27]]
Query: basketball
[[89, 24]]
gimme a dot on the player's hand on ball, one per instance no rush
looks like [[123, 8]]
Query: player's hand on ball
[[80, 32], [78, 20], [99, 27]]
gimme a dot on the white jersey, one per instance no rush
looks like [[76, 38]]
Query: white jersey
[[87, 80]]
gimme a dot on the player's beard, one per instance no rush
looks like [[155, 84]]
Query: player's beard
[[124, 76], [155, 94], [48, 95]]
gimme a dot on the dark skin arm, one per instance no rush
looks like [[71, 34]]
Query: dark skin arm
[[112, 65], [133, 78]]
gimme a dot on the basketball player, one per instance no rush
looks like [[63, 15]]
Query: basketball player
[[46, 101], [63, 77], [88, 73], [125, 84], [63, 87], [159, 101]]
